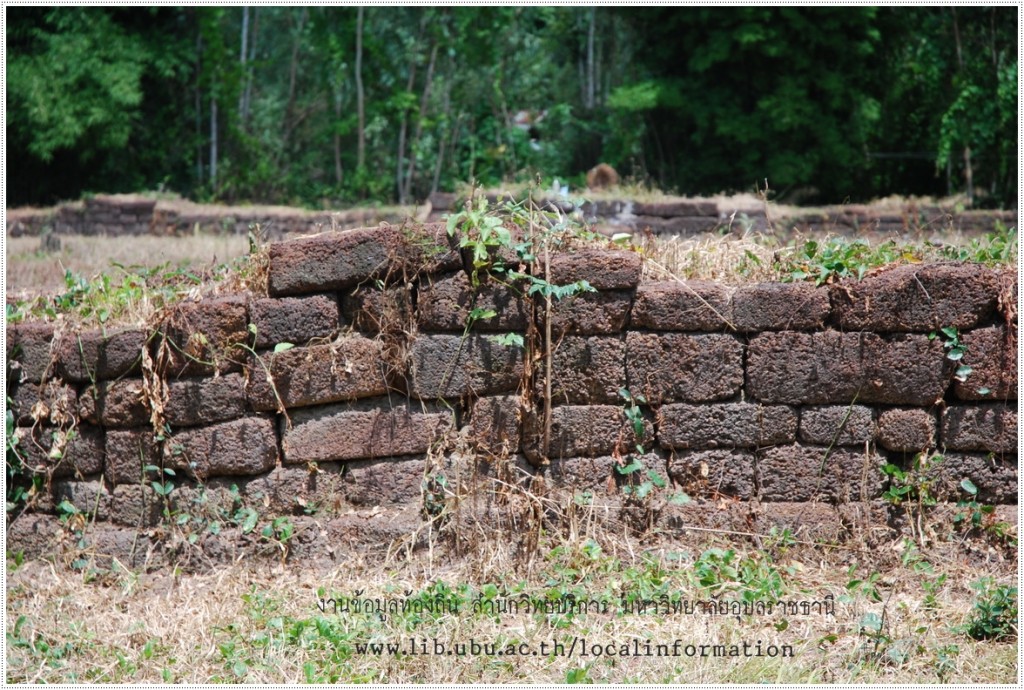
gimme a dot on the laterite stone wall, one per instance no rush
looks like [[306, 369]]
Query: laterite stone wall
[[767, 394]]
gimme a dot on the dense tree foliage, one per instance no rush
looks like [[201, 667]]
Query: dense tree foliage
[[309, 105]]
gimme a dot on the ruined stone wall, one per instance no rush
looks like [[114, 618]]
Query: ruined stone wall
[[122, 214], [778, 400]]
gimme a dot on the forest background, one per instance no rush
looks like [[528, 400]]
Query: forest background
[[335, 106]]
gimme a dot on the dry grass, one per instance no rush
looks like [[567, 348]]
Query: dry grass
[[245, 624], [31, 272]]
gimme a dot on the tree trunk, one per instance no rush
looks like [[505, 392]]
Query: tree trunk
[[428, 82], [199, 111], [360, 104], [590, 59], [968, 168], [247, 94], [242, 55], [292, 79], [338, 176], [402, 131], [213, 143]]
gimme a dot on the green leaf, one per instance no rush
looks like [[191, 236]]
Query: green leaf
[[968, 486], [632, 467], [281, 347], [249, 524]]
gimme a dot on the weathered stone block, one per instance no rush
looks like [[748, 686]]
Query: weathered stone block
[[837, 425], [992, 354], [365, 430], [205, 336], [63, 453], [496, 424], [29, 345], [586, 370], [690, 368], [980, 427], [89, 497], [445, 305], [344, 370], [205, 401], [831, 367], [95, 356], [116, 404], [448, 366], [135, 505], [597, 475], [245, 446], [128, 452], [591, 313], [714, 473], [383, 482], [741, 425], [780, 307], [371, 310], [995, 478], [917, 297], [294, 320], [907, 430], [52, 402], [694, 305], [590, 430], [332, 260], [672, 209], [291, 488], [809, 473], [603, 269]]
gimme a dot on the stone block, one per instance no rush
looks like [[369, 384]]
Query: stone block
[[995, 478], [831, 367], [289, 489], [594, 474], [992, 355], [694, 305], [98, 356], [917, 298], [135, 505], [589, 430], [128, 452], [383, 482], [448, 366], [332, 260], [688, 368], [586, 369], [673, 209], [714, 473], [445, 304], [813, 473], [907, 429], [367, 429], [603, 269], [590, 313], [29, 345], [350, 368], [192, 402], [89, 497], [729, 425], [116, 404], [371, 310], [496, 424], [980, 427], [59, 452], [839, 425], [295, 320], [240, 447], [780, 307], [52, 402], [205, 336]]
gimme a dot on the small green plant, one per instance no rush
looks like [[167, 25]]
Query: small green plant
[[835, 258], [955, 350], [974, 515], [994, 616], [912, 489], [866, 587], [635, 415]]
